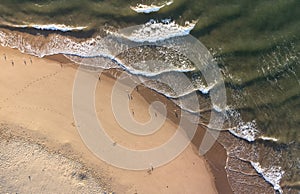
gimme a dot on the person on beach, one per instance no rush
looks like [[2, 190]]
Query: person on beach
[[176, 114], [129, 97]]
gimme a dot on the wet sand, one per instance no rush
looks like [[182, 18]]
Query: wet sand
[[36, 106]]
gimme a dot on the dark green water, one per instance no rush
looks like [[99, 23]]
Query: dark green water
[[256, 44]]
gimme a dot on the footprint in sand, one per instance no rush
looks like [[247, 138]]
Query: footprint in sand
[[34, 108], [20, 91]]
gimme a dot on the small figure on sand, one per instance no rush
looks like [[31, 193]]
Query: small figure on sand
[[129, 96], [12, 63], [25, 62], [176, 114], [4, 57], [150, 170], [30, 60]]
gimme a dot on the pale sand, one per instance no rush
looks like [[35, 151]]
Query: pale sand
[[29, 168], [38, 97]]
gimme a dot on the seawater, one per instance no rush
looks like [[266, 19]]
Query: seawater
[[255, 44]]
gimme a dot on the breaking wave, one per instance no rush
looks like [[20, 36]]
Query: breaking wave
[[245, 130], [141, 8], [154, 31]]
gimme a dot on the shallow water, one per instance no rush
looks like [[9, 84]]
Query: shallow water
[[255, 43]]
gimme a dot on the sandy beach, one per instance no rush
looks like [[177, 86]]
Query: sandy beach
[[36, 110]]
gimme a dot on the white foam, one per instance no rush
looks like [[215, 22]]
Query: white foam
[[53, 44], [272, 175], [217, 108], [57, 27], [245, 130], [53, 27], [169, 2], [155, 73], [268, 138], [140, 8], [205, 89], [99, 62], [154, 31]]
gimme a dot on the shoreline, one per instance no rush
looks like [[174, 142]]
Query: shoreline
[[216, 157], [66, 144]]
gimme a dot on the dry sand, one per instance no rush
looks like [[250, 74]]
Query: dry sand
[[28, 168], [36, 108]]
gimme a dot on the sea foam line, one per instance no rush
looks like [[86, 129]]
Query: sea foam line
[[140, 8], [59, 27], [268, 138], [53, 27]]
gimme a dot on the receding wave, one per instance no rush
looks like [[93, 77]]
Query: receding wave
[[244, 162], [175, 84], [273, 175]]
